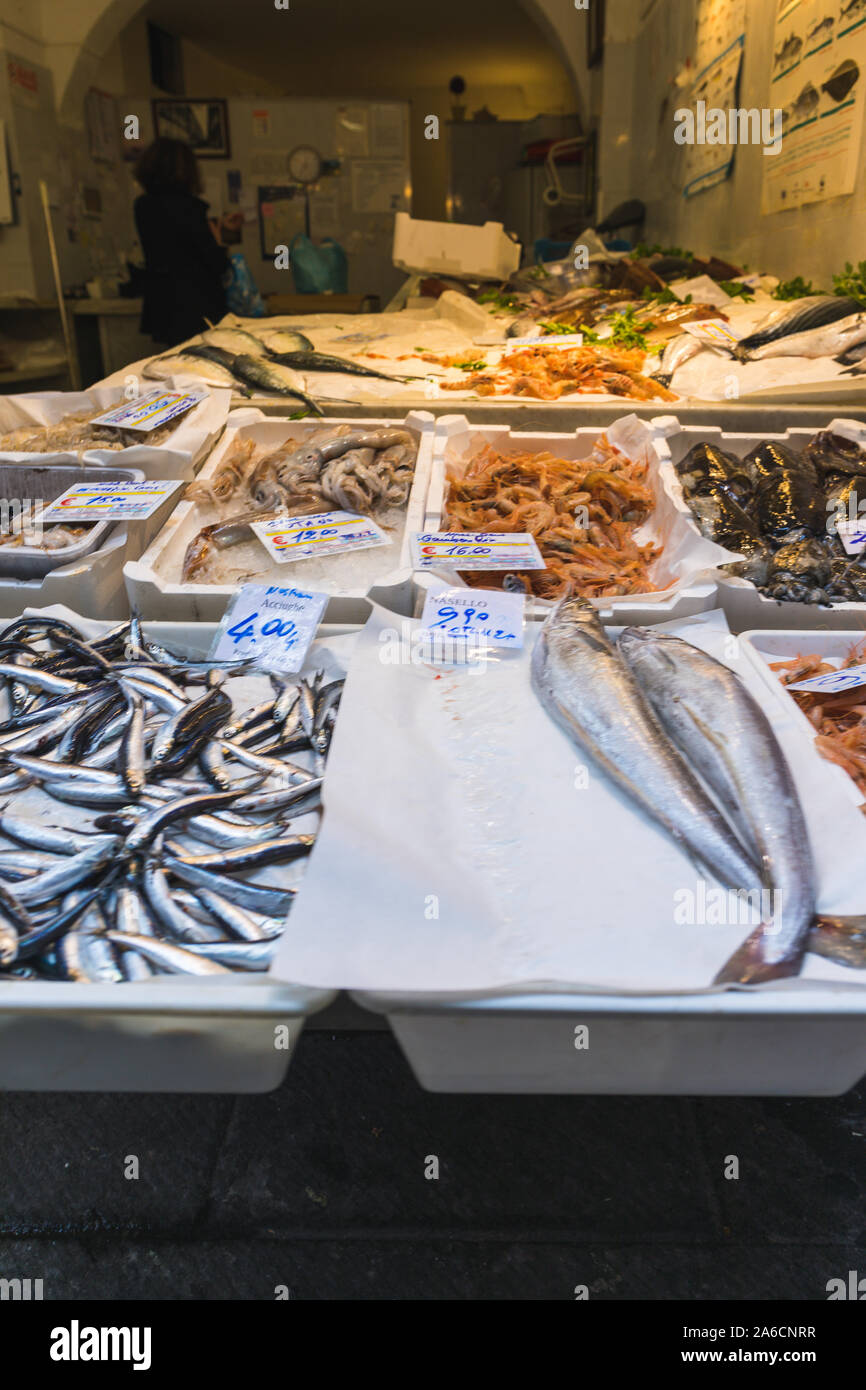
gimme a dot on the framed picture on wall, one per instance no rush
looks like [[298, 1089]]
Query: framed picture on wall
[[202, 124], [595, 33]]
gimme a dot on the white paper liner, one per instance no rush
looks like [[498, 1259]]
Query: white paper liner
[[461, 853]]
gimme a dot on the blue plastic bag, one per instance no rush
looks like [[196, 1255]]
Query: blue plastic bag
[[242, 295], [321, 269]]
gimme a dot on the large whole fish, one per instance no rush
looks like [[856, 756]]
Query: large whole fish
[[272, 376], [309, 361], [189, 364], [235, 341], [828, 341], [592, 694], [723, 732], [278, 340], [795, 319]]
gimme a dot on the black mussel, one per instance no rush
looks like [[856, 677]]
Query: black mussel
[[833, 453], [706, 470], [770, 458], [805, 560], [755, 567], [787, 502]]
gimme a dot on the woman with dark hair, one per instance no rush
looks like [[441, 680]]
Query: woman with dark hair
[[185, 262]]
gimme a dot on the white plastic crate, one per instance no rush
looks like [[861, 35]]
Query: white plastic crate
[[454, 248], [169, 1033], [744, 605], [153, 582], [694, 592]]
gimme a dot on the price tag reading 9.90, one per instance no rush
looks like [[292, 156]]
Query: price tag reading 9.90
[[494, 617]]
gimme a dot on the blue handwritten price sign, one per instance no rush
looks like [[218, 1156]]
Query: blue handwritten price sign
[[831, 682], [155, 408], [111, 501], [269, 626], [479, 550], [852, 534], [326, 533], [489, 616]]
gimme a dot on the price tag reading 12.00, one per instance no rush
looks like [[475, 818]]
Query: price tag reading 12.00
[[326, 533], [466, 550], [477, 615], [269, 626]]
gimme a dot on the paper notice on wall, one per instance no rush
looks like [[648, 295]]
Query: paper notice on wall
[[325, 213], [817, 83], [709, 149], [351, 133], [213, 193], [386, 131], [261, 125], [378, 185]]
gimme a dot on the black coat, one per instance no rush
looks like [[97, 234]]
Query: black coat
[[184, 266]]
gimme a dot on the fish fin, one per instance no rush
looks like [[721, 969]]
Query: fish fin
[[749, 966]]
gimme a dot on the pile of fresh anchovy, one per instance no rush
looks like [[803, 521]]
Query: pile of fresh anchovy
[[189, 798]]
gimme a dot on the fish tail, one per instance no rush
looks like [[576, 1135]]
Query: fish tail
[[742, 354], [749, 965]]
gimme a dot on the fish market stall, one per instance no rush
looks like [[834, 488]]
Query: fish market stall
[[608, 346], [377, 469], [137, 917], [506, 924]]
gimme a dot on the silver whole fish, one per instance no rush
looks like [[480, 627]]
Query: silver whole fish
[[271, 376], [174, 960], [799, 315], [712, 718], [236, 341], [826, 340], [677, 351], [284, 340], [184, 364], [588, 690]]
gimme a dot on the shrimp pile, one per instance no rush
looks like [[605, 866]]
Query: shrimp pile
[[839, 718], [582, 513], [547, 373]]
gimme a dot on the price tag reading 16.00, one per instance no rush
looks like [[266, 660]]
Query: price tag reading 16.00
[[269, 626], [465, 550]]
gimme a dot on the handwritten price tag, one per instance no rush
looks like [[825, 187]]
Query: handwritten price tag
[[110, 501], [147, 412], [713, 332], [488, 615], [831, 682], [466, 550], [326, 533], [852, 534], [269, 626]]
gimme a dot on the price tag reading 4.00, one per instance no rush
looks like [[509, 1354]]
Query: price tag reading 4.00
[[467, 550], [269, 626], [489, 616]]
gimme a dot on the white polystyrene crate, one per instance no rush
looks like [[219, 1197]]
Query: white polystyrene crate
[[744, 605], [454, 248], [764, 647], [455, 437], [169, 1033], [768, 1043], [154, 595]]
